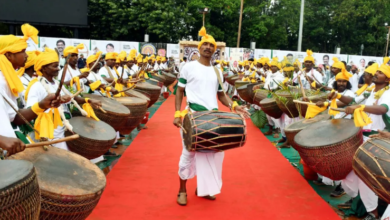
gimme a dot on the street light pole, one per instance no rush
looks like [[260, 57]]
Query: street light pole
[[239, 24], [388, 38], [301, 26]]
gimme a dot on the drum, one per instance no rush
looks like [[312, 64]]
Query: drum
[[96, 137], [154, 82], [250, 90], [150, 90], [259, 96], [269, 106], [159, 78], [298, 126], [133, 93], [285, 101], [313, 98], [137, 108], [371, 164], [232, 80], [328, 147], [70, 185], [244, 93], [213, 131], [240, 83], [19, 191], [116, 112], [170, 78]]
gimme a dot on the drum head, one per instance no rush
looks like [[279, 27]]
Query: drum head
[[92, 129], [63, 172], [13, 171], [133, 93], [301, 124], [131, 101], [324, 133], [243, 87], [145, 85], [268, 100], [110, 105]]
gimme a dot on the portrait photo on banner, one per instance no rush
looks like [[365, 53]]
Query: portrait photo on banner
[[105, 46], [53, 43], [148, 49]]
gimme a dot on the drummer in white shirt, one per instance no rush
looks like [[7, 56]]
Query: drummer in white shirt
[[29, 73], [309, 74]]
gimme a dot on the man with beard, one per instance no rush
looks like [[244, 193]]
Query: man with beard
[[336, 69], [200, 82], [377, 107], [309, 76], [354, 80]]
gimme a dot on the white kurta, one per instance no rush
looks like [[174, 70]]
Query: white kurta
[[6, 92], [70, 73], [386, 215], [6, 129], [354, 80], [313, 74], [201, 87], [103, 72], [36, 94], [25, 78]]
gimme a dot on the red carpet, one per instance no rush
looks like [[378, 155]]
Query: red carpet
[[258, 182]]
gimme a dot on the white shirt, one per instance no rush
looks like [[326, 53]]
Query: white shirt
[[37, 93], [6, 92], [354, 80], [312, 73], [201, 84], [25, 78], [6, 129], [158, 66], [271, 78], [386, 215], [181, 65], [331, 81], [104, 73], [70, 73], [351, 94], [377, 121], [135, 68]]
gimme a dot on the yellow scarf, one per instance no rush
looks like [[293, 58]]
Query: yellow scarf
[[379, 94], [333, 104], [364, 88], [29, 87], [108, 94], [360, 118], [313, 110], [13, 44], [76, 80], [95, 85], [119, 87], [46, 123], [88, 108]]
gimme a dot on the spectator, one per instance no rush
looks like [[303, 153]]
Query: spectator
[[81, 62]]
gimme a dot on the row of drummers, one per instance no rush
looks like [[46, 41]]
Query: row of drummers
[[60, 180], [344, 145]]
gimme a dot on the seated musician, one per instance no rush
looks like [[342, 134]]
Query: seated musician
[[13, 56], [377, 106], [46, 67], [199, 80]]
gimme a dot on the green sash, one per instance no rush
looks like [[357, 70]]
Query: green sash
[[199, 108], [22, 137]]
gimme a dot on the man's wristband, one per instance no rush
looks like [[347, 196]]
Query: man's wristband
[[36, 109], [177, 114]]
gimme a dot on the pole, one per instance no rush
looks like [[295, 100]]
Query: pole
[[388, 37], [203, 17], [301, 26], [239, 24]]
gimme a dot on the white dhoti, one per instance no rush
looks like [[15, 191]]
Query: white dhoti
[[328, 181], [285, 121], [386, 215], [353, 185], [273, 122], [206, 166]]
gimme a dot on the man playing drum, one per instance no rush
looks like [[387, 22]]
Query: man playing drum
[[377, 106], [199, 80], [13, 56]]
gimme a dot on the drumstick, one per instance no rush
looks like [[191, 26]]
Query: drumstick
[[101, 109], [304, 103], [45, 143], [302, 89], [77, 93], [338, 109], [132, 87], [184, 130]]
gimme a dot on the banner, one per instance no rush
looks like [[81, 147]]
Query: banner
[[259, 53], [362, 61], [173, 50], [52, 42], [227, 53], [192, 53], [105, 46], [148, 49], [128, 45], [86, 51]]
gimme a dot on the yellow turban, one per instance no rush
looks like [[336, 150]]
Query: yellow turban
[[122, 55], [13, 44], [298, 64], [92, 58], [132, 55], [139, 60], [344, 74], [246, 63], [163, 59], [265, 61], [158, 58], [241, 63], [309, 56], [218, 61], [145, 60], [111, 56], [338, 64], [151, 57], [385, 69], [274, 62], [84, 70], [32, 56], [71, 49], [45, 58], [206, 38], [372, 69]]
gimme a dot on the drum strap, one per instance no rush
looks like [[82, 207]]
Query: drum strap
[[220, 81], [109, 72]]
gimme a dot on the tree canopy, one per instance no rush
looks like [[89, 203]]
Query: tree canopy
[[272, 24]]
